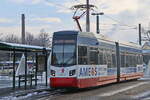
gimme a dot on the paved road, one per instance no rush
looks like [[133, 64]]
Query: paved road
[[133, 90]]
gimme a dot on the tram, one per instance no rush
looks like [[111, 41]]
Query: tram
[[85, 59]]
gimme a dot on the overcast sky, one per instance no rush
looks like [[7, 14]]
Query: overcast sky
[[119, 22]]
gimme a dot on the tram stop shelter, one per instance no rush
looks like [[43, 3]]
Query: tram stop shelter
[[13, 47]]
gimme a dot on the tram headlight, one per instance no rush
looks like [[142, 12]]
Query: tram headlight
[[72, 72], [52, 72]]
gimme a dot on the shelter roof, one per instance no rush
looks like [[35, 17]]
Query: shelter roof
[[21, 47]]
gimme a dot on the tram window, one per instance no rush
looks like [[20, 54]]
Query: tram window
[[122, 60], [104, 57], [63, 55], [141, 59], [69, 55], [131, 61], [109, 58], [146, 58], [127, 60], [93, 56], [57, 55], [114, 60], [135, 61], [82, 55], [101, 62]]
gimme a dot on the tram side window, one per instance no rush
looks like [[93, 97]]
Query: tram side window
[[127, 61], [131, 60], [109, 58], [104, 57], [101, 62], [146, 58], [141, 59], [122, 60], [134, 63], [82, 55], [114, 59], [136, 59], [94, 56]]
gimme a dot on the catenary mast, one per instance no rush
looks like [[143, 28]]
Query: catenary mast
[[87, 16]]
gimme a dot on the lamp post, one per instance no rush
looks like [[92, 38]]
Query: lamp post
[[97, 21]]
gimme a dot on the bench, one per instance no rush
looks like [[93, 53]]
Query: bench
[[30, 78]]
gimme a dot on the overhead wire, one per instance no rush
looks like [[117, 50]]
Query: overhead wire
[[58, 5], [77, 1], [119, 22]]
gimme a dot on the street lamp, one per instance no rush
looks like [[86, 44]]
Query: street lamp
[[97, 20]]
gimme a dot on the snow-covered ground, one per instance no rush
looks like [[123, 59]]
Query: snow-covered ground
[[23, 97], [7, 81]]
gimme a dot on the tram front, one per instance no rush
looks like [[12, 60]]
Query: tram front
[[63, 59]]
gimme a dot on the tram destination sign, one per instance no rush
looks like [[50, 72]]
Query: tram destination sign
[[63, 41]]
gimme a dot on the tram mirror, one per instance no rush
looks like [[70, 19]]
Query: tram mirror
[[41, 63]]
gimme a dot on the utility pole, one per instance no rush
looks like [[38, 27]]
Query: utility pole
[[97, 21], [87, 16], [23, 28], [97, 24], [140, 43], [118, 61]]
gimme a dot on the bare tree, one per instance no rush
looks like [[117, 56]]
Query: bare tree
[[36, 42], [29, 38], [12, 38], [1, 36], [44, 38]]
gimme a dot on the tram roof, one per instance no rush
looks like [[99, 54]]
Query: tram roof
[[99, 37], [21, 47]]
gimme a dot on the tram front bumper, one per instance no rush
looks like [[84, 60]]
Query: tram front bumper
[[63, 82]]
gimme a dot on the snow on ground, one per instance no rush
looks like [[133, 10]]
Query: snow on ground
[[110, 93], [22, 97], [143, 96], [7, 81]]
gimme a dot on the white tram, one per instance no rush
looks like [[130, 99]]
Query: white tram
[[81, 60]]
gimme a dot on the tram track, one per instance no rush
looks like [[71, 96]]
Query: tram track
[[46, 94], [100, 92], [34, 94], [126, 91]]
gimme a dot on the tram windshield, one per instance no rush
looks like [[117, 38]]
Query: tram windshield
[[63, 54]]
